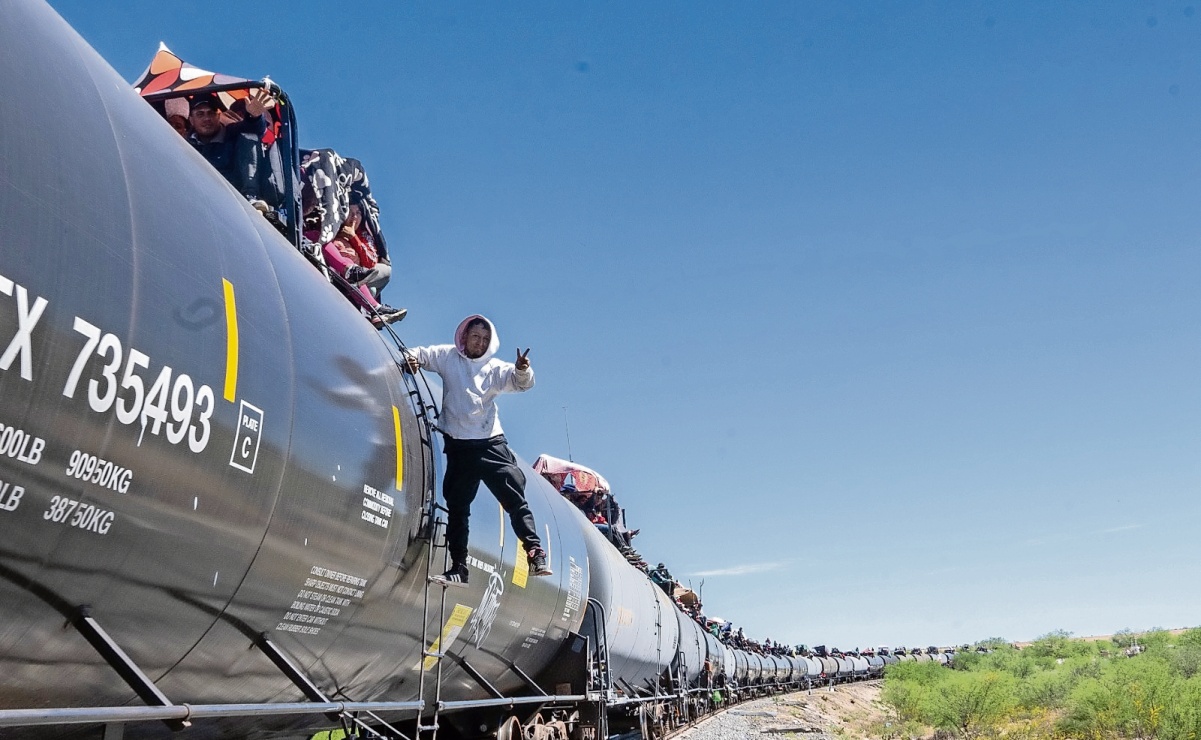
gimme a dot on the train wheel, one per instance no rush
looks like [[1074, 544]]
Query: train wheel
[[650, 722], [536, 729], [510, 729], [558, 730], [579, 731]]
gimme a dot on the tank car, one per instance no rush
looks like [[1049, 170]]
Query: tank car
[[215, 470], [217, 485]]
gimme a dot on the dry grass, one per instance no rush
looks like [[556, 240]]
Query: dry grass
[[851, 711]]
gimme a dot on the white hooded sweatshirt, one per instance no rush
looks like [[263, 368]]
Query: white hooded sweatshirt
[[470, 387]]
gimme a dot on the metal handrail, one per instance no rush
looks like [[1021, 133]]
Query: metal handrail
[[105, 715], [511, 701]]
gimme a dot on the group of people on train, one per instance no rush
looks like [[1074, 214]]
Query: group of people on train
[[341, 231], [340, 217]]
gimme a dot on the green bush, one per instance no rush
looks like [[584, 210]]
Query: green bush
[[1059, 688], [1124, 638], [966, 660], [1058, 645], [906, 698], [908, 689], [1131, 698], [972, 703], [1156, 639], [1182, 720], [1190, 638], [923, 674], [1185, 660], [1047, 689], [1017, 663]]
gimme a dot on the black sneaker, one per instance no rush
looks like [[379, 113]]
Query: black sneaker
[[456, 576], [356, 274], [538, 564], [391, 315]]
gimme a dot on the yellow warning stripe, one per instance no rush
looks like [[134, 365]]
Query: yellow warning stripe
[[521, 568], [450, 632], [231, 342], [400, 454]]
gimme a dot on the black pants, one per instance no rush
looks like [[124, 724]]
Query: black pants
[[469, 461]]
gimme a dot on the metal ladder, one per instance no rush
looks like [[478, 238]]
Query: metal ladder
[[600, 680], [432, 526], [427, 724]]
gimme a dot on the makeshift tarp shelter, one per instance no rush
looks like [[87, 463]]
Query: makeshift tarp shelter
[[570, 477], [336, 182], [168, 76], [687, 596]]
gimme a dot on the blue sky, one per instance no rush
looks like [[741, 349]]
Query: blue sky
[[879, 317]]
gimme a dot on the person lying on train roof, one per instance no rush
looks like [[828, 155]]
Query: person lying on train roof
[[475, 445]]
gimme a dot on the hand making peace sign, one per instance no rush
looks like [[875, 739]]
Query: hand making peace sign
[[523, 360]]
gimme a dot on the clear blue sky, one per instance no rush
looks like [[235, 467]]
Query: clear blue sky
[[881, 318]]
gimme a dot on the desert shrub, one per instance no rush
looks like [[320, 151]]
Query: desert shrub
[[1131, 698], [1058, 645], [908, 689], [1190, 638], [1124, 638], [1017, 663], [1046, 689], [910, 671], [1156, 640], [972, 703], [1038, 724], [1185, 660], [1182, 720], [966, 660]]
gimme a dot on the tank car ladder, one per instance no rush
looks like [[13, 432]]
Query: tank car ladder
[[599, 687], [427, 724]]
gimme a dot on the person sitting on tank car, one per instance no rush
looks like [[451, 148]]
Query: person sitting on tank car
[[346, 255], [475, 445], [661, 577], [176, 111], [235, 149], [336, 182]]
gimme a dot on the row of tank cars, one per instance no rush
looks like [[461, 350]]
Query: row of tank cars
[[740, 674], [217, 485]]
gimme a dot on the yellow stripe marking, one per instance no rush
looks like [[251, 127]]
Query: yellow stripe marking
[[521, 568], [400, 450], [450, 632], [231, 342]]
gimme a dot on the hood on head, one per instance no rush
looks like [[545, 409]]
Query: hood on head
[[461, 334]]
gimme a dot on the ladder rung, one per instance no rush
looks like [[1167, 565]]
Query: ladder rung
[[430, 654], [427, 728]]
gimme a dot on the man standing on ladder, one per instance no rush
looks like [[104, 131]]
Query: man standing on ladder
[[476, 448]]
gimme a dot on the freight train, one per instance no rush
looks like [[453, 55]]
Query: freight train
[[217, 486]]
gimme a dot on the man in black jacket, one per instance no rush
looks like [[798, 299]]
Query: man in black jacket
[[234, 150]]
